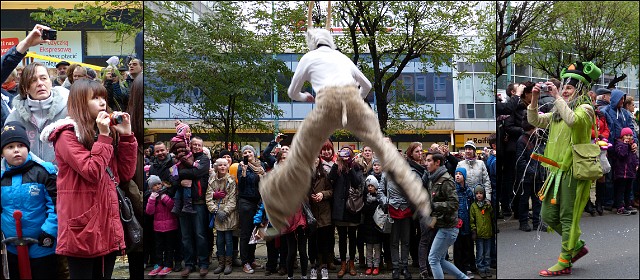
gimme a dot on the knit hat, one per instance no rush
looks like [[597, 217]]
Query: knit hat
[[463, 171], [15, 132], [154, 180], [147, 168], [371, 180], [181, 129], [225, 152], [479, 188], [375, 160], [470, 143], [585, 72], [602, 91], [91, 73], [250, 148], [625, 131]]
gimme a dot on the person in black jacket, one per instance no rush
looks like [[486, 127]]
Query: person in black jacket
[[530, 175]]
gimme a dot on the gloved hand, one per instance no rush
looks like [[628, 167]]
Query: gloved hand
[[153, 195], [371, 198], [474, 235], [46, 240], [221, 215], [219, 194]]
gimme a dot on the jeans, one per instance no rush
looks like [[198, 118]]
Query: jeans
[[225, 243], [194, 236], [444, 238], [530, 191], [483, 249], [400, 233], [622, 192]]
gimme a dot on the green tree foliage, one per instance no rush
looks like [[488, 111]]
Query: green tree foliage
[[382, 38], [122, 17], [605, 32], [216, 56], [516, 25]]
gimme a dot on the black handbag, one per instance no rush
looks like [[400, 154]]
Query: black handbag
[[130, 225], [312, 223]]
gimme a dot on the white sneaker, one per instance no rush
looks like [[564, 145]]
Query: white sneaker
[[247, 268], [325, 273], [303, 277], [314, 274], [470, 275]]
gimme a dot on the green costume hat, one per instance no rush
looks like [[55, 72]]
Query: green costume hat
[[585, 72]]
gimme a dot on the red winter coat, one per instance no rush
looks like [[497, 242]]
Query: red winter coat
[[89, 223]]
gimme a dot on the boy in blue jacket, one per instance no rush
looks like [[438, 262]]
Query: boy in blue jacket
[[28, 185], [463, 256]]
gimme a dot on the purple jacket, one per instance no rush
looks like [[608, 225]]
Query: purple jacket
[[163, 219], [624, 162]]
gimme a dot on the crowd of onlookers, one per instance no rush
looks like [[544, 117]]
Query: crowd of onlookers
[[615, 130], [195, 196], [63, 133]]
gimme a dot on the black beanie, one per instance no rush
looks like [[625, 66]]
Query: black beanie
[[15, 132], [225, 152]]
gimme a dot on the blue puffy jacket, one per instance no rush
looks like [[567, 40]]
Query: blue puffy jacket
[[30, 188], [618, 118]]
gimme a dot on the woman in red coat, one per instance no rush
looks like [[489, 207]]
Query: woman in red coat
[[86, 143]]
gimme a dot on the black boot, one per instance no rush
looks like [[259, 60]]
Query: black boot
[[599, 209], [590, 209]]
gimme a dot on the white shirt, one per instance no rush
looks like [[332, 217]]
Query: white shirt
[[326, 67]]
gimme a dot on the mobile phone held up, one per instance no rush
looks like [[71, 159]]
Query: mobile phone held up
[[51, 34], [245, 160]]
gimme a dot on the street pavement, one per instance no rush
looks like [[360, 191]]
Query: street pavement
[[261, 256], [612, 241]]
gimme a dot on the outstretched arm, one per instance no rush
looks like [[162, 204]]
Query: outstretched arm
[[299, 77]]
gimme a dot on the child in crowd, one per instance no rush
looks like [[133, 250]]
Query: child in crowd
[[463, 247], [481, 216], [28, 185], [183, 158], [625, 167], [368, 229], [165, 226], [221, 200]]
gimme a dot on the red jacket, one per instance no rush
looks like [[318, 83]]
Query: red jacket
[[88, 215]]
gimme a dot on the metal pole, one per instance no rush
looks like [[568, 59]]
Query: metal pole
[[275, 88], [508, 47]]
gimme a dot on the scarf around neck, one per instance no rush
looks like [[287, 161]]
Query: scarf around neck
[[256, 167], [437, 174]]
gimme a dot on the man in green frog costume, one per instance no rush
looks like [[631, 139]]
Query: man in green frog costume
[[563, 196]]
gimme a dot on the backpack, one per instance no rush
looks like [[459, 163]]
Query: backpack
[[355, 200]]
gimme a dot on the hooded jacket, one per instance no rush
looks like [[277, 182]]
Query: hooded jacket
[[30, 188], [617, 118], [624, 162], [227, 204], [444, 198], [23, 114], [465, 198], [89, 223], [481, 219]]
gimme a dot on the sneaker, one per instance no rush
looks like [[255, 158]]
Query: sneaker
[[247, 268], [303, 277], [166, 270], [622, 211], [470, 275], [325, 273], [632, 210], [375, 271], [156, 269], [368, 271], [313, 274]]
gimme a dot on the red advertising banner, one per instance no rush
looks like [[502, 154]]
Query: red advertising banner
[[8, 43]]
